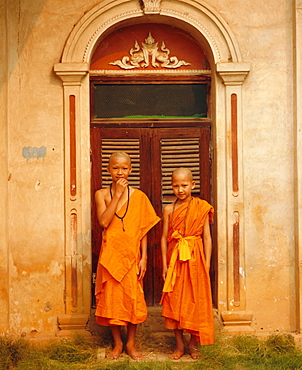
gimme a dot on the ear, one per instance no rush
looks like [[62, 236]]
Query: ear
[[193, 184], [108, 168], [130, 169]]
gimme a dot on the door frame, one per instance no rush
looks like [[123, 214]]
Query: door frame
[[228, 75]]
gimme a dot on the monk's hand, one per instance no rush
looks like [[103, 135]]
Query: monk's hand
[[121, 186], [208, 265], [142, 267], [165, 271]]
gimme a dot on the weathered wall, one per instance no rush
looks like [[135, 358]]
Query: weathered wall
[[36, 238], [264, 33], [3, 170], [32, 159], [37, 32]]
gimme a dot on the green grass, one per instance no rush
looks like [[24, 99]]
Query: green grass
[[234, 353]]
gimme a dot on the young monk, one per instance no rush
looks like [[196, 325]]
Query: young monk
[[186, 253], [126, 215]]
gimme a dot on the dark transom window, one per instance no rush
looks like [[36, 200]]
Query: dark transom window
[[149, 100]]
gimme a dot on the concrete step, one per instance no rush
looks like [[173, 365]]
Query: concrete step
[[154, 322]]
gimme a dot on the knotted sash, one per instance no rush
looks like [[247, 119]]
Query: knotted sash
[[182, 250]]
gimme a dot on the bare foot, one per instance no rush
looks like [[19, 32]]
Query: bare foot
[[133, 353], [176, 355], [115, 353], [194, 353]]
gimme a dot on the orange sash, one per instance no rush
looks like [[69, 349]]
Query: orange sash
[[183, 250]]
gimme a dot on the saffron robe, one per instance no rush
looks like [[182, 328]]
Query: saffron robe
[[119, 294], [186, 298]]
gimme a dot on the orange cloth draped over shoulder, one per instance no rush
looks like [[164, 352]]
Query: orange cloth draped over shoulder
[[186, 298], [119, 293]]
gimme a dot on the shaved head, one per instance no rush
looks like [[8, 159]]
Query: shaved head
[[119, 155], [183, 172]]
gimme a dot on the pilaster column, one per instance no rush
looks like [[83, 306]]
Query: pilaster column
[[236, 318], [297, 47], [77, 253]]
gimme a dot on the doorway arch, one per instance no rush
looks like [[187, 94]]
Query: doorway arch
[[228, 74]]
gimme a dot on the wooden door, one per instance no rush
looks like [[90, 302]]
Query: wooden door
[[155, 152]]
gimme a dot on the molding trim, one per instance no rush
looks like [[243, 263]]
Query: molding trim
[[207, 22], [233, 74]]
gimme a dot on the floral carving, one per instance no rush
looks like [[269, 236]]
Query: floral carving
[[140, 56], [151, 6]]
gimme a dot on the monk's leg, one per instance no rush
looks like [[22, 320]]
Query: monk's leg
[[180, 345], [118, 343], [193, 348], [130, 345]]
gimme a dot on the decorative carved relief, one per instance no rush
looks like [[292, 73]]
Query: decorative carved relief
[[151, 6], [140, 56]]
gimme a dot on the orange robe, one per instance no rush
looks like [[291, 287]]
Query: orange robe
[[186, 298], [119, 294]]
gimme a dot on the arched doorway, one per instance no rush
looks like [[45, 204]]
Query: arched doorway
[[208, 28], [151, 96]]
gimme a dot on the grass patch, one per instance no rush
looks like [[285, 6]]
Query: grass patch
[[249, 352], [235, 352], [12, 351]]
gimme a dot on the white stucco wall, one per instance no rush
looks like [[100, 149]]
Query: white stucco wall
[[3, 173], [37, 32], [264, 33], [32, 189]]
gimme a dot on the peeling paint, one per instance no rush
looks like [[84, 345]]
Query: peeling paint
[[271, 265], [34, 152], [38, 185], [55, 269], [47, 307], [15, 320]]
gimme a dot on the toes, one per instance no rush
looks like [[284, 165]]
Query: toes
[[176, 355], [194, 353]]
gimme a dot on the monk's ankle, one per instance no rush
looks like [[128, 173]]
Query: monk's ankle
[[116, 351], [133, 352]]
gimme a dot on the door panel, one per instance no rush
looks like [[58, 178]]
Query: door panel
[[172, 148], [155, 152], [136, 142]]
